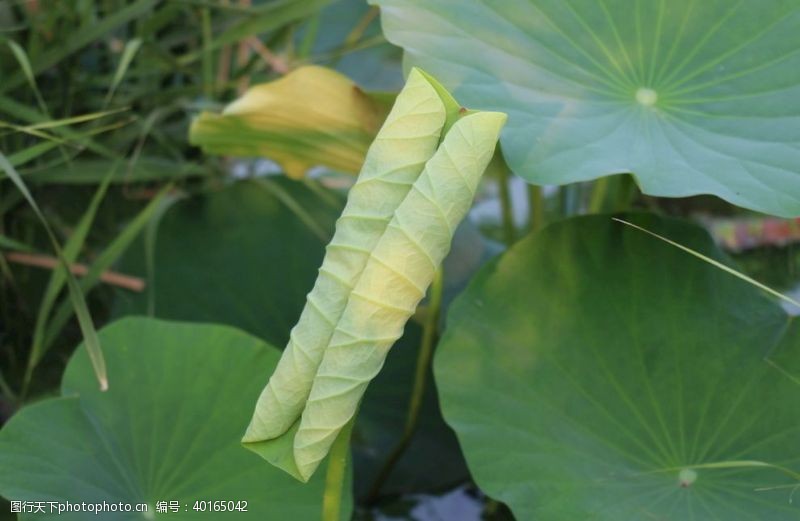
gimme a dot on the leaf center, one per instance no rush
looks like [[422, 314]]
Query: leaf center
[[686, 477], [646, 97]]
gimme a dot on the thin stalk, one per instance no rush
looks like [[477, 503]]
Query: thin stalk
[[340, 51], [535, 207], [52, 263], [335, 476], [429, 336], [224, 64], [507, 210], [355, 36], [491, 508], [625, 193], [598, 198], [714, 263], [310, 36], [563, 201], [6, 389], [302, 213], [360, 28], [208, 66], [275, 62], [569, 198], [242, 57]]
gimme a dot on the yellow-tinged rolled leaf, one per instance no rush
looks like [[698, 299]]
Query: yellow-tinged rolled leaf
[[394, 232], [312, 116], [397, 275], [405, 142]]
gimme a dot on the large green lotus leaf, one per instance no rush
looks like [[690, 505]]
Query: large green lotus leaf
[[691, 97], [168, 429], [588, 368], [245, 255]]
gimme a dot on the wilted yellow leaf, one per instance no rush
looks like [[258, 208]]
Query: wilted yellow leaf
[[312, 116]]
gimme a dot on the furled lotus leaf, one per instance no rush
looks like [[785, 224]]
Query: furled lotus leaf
[[417, 184]]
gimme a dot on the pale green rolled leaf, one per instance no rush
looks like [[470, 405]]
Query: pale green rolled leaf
[[399, 270], [395, 230], [414, 125]]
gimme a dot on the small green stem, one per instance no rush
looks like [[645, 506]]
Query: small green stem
[[563, 201], [310, 36], [335, 476], [208, 66], [27, 378], [535, 207], [509, 233], [420, 381], [569, 197], [625, 193], [357, 32], [598, 199], [6, 389]]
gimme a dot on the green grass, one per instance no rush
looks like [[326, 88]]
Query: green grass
[[95, 106]]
